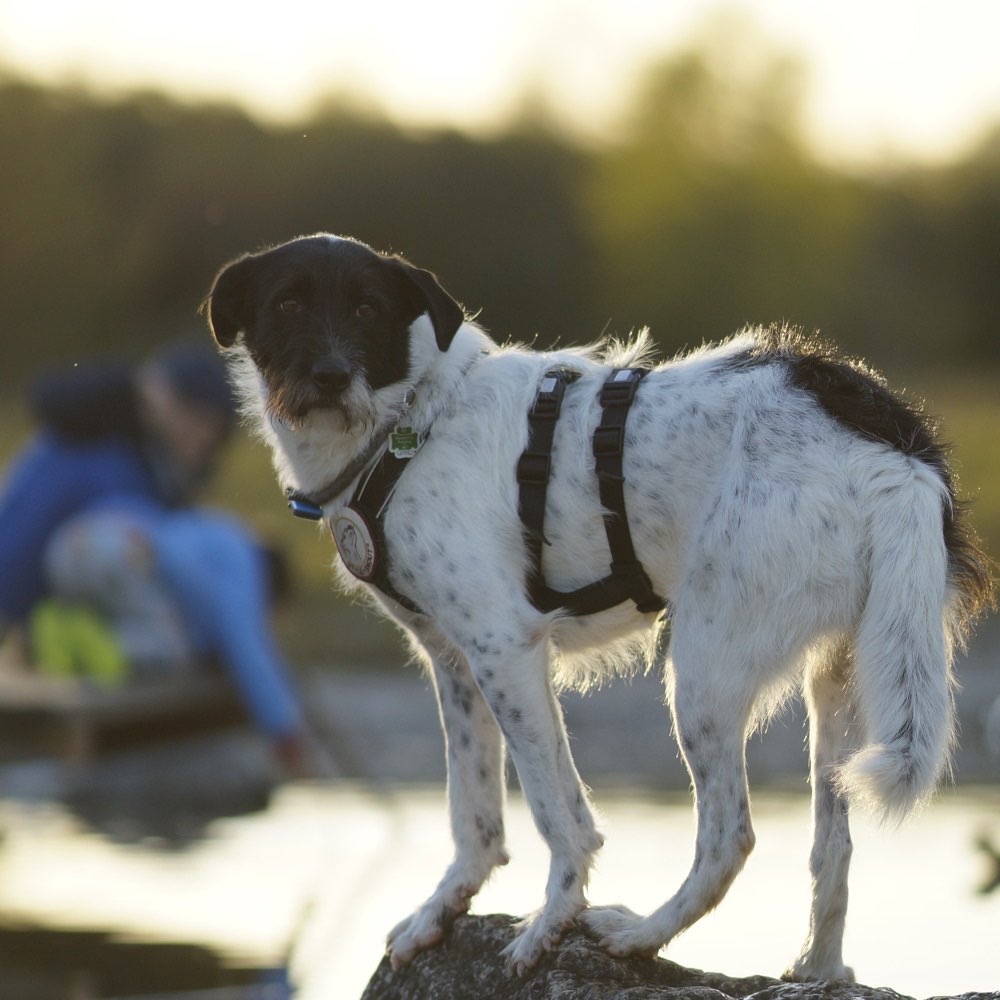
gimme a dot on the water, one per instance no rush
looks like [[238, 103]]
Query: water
[[317, 879]]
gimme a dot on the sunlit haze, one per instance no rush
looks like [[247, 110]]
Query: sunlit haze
[[885, 78]]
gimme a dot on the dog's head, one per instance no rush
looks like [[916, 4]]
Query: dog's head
[[327, 321]]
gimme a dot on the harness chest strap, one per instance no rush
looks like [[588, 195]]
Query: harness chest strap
[[360, 523]]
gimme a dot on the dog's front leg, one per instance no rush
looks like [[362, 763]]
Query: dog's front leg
[[475, 797], [519, 691]]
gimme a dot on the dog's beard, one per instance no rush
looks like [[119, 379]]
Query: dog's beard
[[291, 403]]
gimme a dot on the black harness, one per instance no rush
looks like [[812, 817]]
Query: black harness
[[628, 580], [358, 531]]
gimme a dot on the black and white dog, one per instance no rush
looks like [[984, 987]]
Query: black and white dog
[[797, 517]]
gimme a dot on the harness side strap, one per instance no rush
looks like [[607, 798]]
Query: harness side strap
[[617, 395], [533, 470]]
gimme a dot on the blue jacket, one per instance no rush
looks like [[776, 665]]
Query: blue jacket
[[50, 482]]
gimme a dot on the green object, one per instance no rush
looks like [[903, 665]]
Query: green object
[[72, 641], [404, 442]]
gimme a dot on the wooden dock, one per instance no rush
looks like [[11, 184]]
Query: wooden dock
[[42, 716]]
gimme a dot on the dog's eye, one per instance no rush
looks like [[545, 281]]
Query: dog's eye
[[366, 310], [290, 305]]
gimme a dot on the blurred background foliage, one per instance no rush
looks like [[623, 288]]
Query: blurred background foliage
[[704, 211]]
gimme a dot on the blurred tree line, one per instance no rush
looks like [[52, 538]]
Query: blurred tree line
[[707, 210], [704, 211]]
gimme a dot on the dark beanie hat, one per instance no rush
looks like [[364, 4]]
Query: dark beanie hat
[[198, 376]]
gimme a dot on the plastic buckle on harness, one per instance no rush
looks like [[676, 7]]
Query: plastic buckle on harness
[[533, 468], [548, 399], [620, 389]]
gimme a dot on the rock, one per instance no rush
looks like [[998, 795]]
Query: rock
[[468, 966]]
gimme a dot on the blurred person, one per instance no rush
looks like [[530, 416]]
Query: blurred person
[[105, 560]]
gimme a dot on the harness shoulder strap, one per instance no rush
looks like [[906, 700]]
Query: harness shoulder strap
[[628, 579]]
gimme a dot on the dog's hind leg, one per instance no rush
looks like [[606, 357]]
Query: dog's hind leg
[[475, 797], [519, 691], [711, 709], [821, 956]]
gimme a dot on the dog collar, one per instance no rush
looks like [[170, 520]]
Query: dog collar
[[403, 442], [356, 527]]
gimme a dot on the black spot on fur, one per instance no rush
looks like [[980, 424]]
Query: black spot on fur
[[461, 695], [490, 830]]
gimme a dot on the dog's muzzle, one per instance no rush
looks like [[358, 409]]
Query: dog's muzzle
[[328, 384]]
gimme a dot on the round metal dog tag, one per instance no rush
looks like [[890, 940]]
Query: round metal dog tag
[[354, 542]]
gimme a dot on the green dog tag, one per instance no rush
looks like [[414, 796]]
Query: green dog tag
[[404, 442]]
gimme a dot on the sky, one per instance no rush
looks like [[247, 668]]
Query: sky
[[887, 78]]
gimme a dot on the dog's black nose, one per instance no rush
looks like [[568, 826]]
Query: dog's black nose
[[331, 374]]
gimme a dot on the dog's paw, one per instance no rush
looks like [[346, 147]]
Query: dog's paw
[[537, 934], [425, 928], [416, 933], [620, 932], [805, 971]]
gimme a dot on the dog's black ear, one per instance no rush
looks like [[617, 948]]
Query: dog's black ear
[[226, 305], [445, 313]]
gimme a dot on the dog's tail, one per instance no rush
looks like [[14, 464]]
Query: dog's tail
[[928, 581]]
